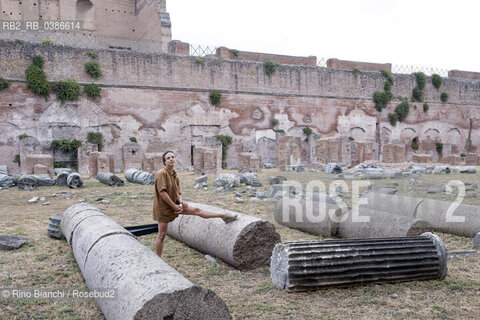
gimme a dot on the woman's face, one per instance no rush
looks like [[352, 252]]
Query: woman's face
[[170, 159]]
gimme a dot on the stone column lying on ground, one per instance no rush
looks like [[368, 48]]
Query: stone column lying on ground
[[311, 265], [62, 179], [74, 180], [146, 287], [381, 224], [445, 216], [245, 243], [110, 179], [138, 176], [317, 220]]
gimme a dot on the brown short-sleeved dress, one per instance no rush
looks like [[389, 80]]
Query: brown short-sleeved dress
[[166, 180]]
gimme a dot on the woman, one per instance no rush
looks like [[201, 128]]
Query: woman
[[168, 204]]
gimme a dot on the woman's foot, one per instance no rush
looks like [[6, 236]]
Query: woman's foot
[[229, 217]]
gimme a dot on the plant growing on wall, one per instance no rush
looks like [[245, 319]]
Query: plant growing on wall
[[402, 111], [199, 61], [92, 91], [92, 54], [234, 53], [39, 61], [436, 80], [47, 41], [415, 143], [16, 159], [439, 146], [275, 124], [226, 141], [425, 107], [417, 93], [23, 136], [382, 98], [462, 155], [67, 146], [351, 138], [96, 138], [66, 90], [307, 131], [4, 84], [133, 139], [270, 67], [444, 97], [393, 118], [215, 97], [93, 69], [37, 81]]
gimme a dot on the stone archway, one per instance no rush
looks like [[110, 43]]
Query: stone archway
[[357, 133]]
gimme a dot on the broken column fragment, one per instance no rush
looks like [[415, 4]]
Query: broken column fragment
[[74, 180], [311, 265], [138, 176], [245, 243], [146, 287], [110, 179]]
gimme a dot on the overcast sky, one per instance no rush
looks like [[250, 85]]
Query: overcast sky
[[440, 33]]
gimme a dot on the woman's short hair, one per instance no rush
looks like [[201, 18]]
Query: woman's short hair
[[165, 155]]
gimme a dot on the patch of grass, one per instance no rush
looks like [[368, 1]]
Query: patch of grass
[[42, 257], [92, 54], [23, 136], [47, 41], [265, 287]]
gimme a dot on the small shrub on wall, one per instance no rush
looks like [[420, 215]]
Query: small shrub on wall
[[92, 91], [4, 84], [402, 111], [92, 54], [37, 81], [270, 67], [392, 118], [96, 138], [215, 97], [38, 61], [425, 107], [67, 90], [93, 69], [226, 141], [436, 80], [444, 97], [439, 147]]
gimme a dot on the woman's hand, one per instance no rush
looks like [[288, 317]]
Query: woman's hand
[[178, 208]]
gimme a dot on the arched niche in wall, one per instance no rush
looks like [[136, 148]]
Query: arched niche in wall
[[432, 134], [454, 137], [385, 134], [407, 135], [357, 133], [85, 12]]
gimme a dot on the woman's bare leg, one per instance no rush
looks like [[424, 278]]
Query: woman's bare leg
[[202, 213], [162, 232]]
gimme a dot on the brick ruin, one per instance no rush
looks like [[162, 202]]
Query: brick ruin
[[168, 108]]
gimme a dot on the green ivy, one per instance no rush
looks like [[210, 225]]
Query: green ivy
[[425, 107], [37, 81], [402, 111], [215, 98], [93, 69], [444, 97], [66, 145], [96, 138], [393, 118], [92, 91], [92, 54], [4, 84], [226, 141], [133, 139], [67, 90], [307, 131], [436, 80], [270, 67]]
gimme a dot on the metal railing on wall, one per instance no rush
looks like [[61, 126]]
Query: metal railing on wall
[[197, 50]]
